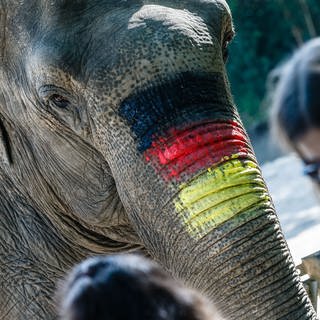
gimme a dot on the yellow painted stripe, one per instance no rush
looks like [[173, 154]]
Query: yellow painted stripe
[[221, 194]]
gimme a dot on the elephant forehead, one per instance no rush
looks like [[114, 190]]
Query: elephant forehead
[[125, 49], [184, 21], [156, 50]]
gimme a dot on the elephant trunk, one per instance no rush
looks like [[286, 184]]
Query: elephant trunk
[[230, 186], [224, 207], [192, 188]]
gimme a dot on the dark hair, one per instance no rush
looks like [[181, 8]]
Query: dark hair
[[123, 287], [296, 94]]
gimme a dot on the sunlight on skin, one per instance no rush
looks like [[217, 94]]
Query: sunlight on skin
[[220, 194], [231, 184]]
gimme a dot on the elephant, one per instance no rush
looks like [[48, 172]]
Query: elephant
[[119, 134]]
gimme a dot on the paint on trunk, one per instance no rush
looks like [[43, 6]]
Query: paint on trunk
[[151, 112], [197, 147], [221, 193], [212, 164]]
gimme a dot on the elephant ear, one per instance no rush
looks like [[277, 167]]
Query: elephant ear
[[5, 144]]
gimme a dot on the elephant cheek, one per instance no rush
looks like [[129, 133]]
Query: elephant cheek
[[215, 172]]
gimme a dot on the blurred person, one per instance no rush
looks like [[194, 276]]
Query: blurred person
[[295, 115], [131, 287]]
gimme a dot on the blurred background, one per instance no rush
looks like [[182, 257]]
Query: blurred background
[[267, 33]]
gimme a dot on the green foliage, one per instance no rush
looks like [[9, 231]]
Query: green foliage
[[267, 32]]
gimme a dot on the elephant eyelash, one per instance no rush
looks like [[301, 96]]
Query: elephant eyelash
[[59, 101], [52, 96], [62, 105]]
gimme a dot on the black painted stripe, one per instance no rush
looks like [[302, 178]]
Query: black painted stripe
[[185, 99]]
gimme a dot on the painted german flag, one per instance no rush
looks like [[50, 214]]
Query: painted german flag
[[191, 137], [215, 170]]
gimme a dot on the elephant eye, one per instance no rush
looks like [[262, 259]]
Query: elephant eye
[[59, 101]]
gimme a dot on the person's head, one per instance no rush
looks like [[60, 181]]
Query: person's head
[[125, 287], [295, 113]]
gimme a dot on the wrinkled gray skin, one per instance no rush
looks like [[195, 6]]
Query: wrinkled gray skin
[[73, 182]]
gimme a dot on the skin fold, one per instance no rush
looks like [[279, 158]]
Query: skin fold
[[118, 133]]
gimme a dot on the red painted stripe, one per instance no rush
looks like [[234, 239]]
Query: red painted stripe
[[197, 147]]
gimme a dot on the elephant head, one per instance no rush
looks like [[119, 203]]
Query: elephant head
[[118, 132]]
